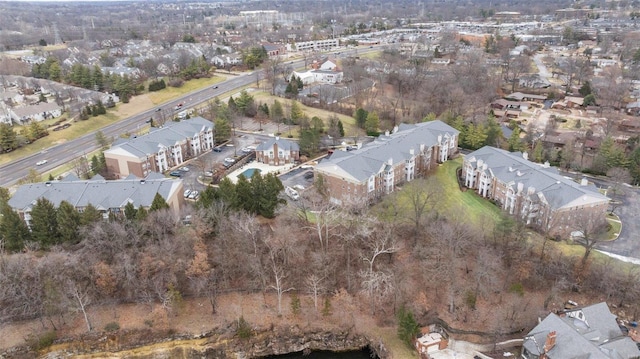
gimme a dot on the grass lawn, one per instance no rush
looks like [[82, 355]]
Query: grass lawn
[[468, 204], [76, 130], [170, 93]]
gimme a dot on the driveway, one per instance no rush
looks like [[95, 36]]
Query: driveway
[[627, 243]]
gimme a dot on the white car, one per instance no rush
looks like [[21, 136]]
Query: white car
[[208, 174], [187, 192], [193, 195], [229, 160], [40, 163], [183, 169]]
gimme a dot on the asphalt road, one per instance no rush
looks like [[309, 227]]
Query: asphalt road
[[66, 152]]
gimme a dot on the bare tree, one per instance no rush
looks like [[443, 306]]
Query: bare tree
[[80, 296], [422, 196], [590, 228], [279, 277], [315, 288], [620, 177]]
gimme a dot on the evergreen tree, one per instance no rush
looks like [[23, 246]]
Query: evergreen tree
[[538, 152], [13, 230], [372, 124], [585, 89], [44, 223], [244, 103], [227, 193], [232, 105], [317, 124], [270, 198], [130, 212], [90, 215], [8, 138], [515, 142], [141, 214], [158, 203], [341, 128], [244, 195], [494, 132], [36, 131], [361, 117], [309, 142], [408, 327], [207, 198], [476, 136], [68, 220], [257, 193], [222, 130]]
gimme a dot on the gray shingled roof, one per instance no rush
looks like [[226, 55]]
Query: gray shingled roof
[[598, 337], [511, 167], [370, 159], [169, 135], [101, 194], [282, 144]]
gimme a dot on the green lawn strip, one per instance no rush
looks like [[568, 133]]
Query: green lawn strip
[[76, 130], [476, 209], [169, 93]]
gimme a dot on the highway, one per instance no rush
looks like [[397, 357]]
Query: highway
[[66, 152]]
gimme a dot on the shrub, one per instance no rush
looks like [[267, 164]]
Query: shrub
[[41, 341], [326, 309], [111, 327], [157, 85], [295, 304], [517, 288], [243, 329], [408, 327], [470, 299], [176, 82]]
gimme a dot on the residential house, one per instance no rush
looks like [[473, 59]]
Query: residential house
[[502, 104], [108, 197], [569, 102], [378, 167], [633, 108], [519, 96], [536, 194], [278, 152], [131, 72], [38, 112], [533, 81], [589, 332], [429, 344], [274, 50], [161, 148], [319, 76]]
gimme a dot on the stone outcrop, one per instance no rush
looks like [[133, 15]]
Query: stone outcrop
[[220, 344]]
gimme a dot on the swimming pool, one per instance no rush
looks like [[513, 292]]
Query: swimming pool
[[249, 172]]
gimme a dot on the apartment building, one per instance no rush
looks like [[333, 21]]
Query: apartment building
[[108, 197], [368, 173], [535, 193], [160, 149]]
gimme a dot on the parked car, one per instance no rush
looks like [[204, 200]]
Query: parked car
[[299, 187], [292, 193], [217, 149], [187, 192], [208, 174], [175, 174], [246, 150], [40, 163], [229, 160], [194, 195], [183, 169], [308, 175]]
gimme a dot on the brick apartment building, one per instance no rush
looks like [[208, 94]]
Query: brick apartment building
[[535, 193], [278, 152], [375, 169], [161, 148]]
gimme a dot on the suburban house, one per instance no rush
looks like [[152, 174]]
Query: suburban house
[[589, 332], [38, 112], [274, 50], [519, 96], [161, 148], [326, 72], [108, 197], [278, 152], [431, 344], [378, 167], [535, 193], [569, 102]]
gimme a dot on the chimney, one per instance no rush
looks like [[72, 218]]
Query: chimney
[[386, 133], [584, 181], [525, 155], [550, 342]]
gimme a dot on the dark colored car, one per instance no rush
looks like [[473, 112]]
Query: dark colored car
[[308, 175], [217, 149], [175, 174]]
